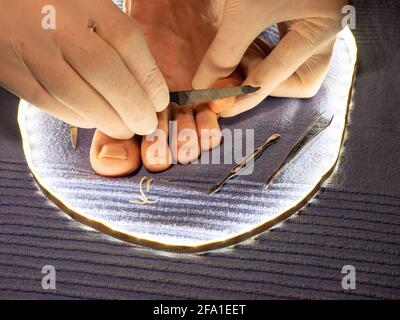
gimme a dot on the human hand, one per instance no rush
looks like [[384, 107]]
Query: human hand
[[298, 64], [93, 70]]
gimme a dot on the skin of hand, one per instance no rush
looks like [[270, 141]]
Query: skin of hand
[[178, 33], [93, 70], [297, 65]]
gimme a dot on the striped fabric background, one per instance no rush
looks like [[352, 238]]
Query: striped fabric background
[[300, 259], [355, 220]]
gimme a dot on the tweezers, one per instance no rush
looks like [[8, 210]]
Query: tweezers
[[317, 126], [242, 165]]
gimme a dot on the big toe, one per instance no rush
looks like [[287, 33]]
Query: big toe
[[114, 158]]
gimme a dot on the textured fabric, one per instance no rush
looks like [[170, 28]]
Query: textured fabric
[[354, 220]]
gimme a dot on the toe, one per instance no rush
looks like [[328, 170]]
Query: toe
[[114, 158], [221, 105], [208, 129], [185, 141], [156, 155]]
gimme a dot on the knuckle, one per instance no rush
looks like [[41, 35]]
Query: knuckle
[[219, 58], [306, 33], [156, 88], [312, 32], [151, 78], [311, 75]]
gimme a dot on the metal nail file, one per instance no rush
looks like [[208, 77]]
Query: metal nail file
[[317, 126], [188, 97], [242, 165]]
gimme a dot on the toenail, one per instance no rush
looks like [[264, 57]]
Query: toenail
[[114, 151]]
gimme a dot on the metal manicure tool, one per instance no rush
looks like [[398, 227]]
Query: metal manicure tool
[[243, 165], [188, 97], [73, 133], [318, 125]]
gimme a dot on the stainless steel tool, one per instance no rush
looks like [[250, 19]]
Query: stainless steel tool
[[317, 126], [188, 97], [243, 165], [73, 133]]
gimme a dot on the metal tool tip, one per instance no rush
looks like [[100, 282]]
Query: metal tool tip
[[250, 89], [275, 137], [213, 190], [268, 183]]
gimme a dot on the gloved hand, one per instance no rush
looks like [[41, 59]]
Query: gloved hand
[[298, 64], [93, 70]]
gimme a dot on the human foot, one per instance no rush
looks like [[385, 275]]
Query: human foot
[[178, 40]]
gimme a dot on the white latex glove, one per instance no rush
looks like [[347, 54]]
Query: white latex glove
[[93, 70], [296, 67]]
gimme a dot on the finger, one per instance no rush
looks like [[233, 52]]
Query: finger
[[221, 105], [71, 90], [100, 65], [185, 143], [255, 54], [123, 34], [208, 129], [307, 80], [283, 28], [112, 157], [21, 82], [297, 46], [156, 154], [228, 48]]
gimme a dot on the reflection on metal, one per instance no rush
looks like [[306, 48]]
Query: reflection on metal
[[73, 132], [236, 170], [318, 125]]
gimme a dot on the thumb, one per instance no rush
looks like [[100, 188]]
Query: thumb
[[234, 36]]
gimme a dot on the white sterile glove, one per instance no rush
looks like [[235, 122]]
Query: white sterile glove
[[297, 65], [85, 62]]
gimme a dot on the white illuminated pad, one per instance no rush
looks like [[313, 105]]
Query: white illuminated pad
[[185, 218]]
